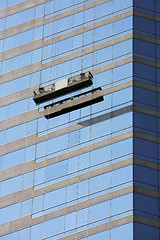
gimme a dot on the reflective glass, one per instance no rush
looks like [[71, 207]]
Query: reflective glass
[[145, 148], [99, 211], [36, 232], [53, 226], [69, 163], [146, 231], [10, 213], [150, 5], [54, 198], [122, 232], [70, 221], [140, 174], [26, 207], [101, 235], [122, 204], [146, 204], [11, 185], [144, 25], [122, 175], [120, 4], [17, 156], [56, 170]]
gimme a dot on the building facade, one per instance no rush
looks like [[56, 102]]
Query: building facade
[[91, 173]]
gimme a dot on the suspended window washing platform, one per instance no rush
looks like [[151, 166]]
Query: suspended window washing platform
[[72, 103], [63, 87]]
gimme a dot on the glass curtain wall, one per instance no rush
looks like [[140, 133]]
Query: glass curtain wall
[[72, 176]]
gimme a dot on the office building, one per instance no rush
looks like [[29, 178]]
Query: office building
[[82, 163]]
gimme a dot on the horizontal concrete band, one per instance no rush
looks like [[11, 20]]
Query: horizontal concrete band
[[146, 15], [38, 66], [8, 76], [33, 139], [31, 115], [147, 86], [147, 221], [18, 96], [30, 192], [41, 20], [147, 111], [34, 114], [143, 37], [110, 225], [32, 165], [28, 92], [147, 137], [4, 174], [146, 62], [40, 43], [107, 226], [20, 7], [145, 163], [146, 191], [99, 228], [28, 221]]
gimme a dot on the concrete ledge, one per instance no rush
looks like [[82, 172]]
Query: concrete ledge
[[40, 43], [20, 7], [146, 38], [111, 225], [148, 164], [147, 86], [18, 96], [28, 92], [146, 62], [32, 165], [41, 20], [146, 191], [33, 139], [146, 111], [27, 221], [147, 137], [147, 221], [146, 15], [34, 67], [33, 114], [30, 192], [99, 228]]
